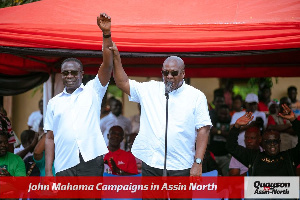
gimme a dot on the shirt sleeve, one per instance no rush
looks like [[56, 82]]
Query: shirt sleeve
[[20, 168], [202, 114], [134, 91], [30, 119], [48, 124], [131, 167], [98, 87]]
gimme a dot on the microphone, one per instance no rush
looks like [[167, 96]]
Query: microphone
[[168, 88]]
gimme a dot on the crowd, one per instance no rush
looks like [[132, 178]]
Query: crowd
[[254, 136]]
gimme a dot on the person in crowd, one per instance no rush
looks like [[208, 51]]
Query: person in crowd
[[188, 120], [72, 119], [10, 164], [29, 139], [218, 137], [269, 162], [115, 117], [218, 101], [295, 103], [35, 118], [219, 92], [39, 156], [228, 93], [120, 162], [5, 124], [259, 118], [284, 127], [252, 141], [237, 104], [135, 128], [264, 100]]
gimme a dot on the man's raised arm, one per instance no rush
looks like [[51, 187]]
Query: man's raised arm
[[104, 72], [121, 78]]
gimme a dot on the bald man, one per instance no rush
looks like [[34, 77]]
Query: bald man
[[188, 120]]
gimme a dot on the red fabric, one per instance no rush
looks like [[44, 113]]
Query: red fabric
[[147, 26], [262, 107], [124, 160], [158, 26], [271, 120]]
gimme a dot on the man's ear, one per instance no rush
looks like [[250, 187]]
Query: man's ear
[[183, 73], [108, 136]]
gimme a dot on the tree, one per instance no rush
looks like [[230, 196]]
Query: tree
[[9, 3]]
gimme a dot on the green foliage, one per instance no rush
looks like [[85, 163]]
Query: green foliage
[[261, 82], [38, 89], [114, 91], [9, 3], [244, 90]]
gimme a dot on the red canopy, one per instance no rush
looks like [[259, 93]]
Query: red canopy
[[215, 38]]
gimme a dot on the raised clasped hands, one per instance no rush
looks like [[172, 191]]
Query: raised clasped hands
[[104, 23], [287, 113], [244, 120]]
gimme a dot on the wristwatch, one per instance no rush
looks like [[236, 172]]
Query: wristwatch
[[198, 160]]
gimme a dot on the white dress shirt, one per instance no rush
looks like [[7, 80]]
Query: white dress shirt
[[75, 122], [241, 137], [111, 120], [187, 112], [34, 120]]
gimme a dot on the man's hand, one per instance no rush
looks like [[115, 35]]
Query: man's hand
[[104, 23], [115, 50], [196, 170], [115, 169], [287, 113], [244, 120]]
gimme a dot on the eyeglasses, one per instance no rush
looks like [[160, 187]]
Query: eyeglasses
[[166, 73], [269, 142], [73, 73]]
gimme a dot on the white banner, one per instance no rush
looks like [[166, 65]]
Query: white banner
[[272, 187]]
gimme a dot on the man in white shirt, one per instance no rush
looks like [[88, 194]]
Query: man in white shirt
[[115, 118], [35, 118], [259, 118], [188, 120], [73, 117]]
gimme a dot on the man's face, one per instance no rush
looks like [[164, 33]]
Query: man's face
[[172, 67], [115, 136], [116, 108], [223, 115], [71, 75], [251, 107], [219, 101], [3, 145], [41, 106], [252, 140], [292, 95], [271, 143], [266, 93]]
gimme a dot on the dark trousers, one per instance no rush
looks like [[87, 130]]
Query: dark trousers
[[94, 167], [151, 171]]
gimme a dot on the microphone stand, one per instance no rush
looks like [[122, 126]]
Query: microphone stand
[[164, 176], [165, 161]]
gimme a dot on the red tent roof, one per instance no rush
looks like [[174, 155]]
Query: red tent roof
[[247, 38]]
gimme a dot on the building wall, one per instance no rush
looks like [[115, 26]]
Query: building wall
[[23, 105]]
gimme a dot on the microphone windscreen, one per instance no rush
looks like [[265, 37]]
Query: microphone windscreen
[[168, 87]]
